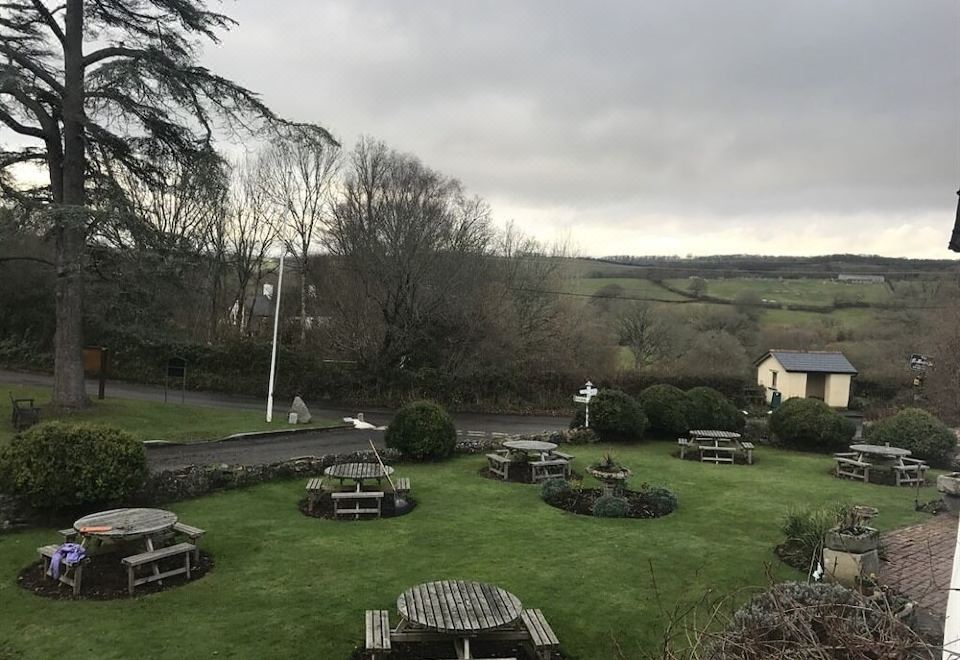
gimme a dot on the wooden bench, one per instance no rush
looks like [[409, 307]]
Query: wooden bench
[[314, 491], [24, 413], [717, 454], [378, 634], [46, 555], [341, 500], [849, 466], [563, 455], [151, 558], [543, 641], [69, 535], [910, 471], [748, 447], [685, 444], [402, 485], [195, 534], [549, 469], [499, 465]]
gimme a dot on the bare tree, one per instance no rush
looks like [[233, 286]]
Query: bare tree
[[411, 239], [640, 329], [299, 178], [251, 231]]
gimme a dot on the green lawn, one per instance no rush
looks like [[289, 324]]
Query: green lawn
[[148, 420], [287, 586]]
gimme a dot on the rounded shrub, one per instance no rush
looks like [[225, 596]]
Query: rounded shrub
[[666, 407], [811, 424], [56, 466], [614, 415], [610, 506], [924, 435], [553, 490], [422, 430], [661, 500], [709, 409]]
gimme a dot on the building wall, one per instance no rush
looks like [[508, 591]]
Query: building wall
[[789, 384], [838, 390]]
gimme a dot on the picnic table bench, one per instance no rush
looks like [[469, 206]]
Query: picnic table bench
[[907, 471], [499, 465], [849, 465], [351, 503], [24, 414], [46, 554], [314, 490], [556, 468], [151, 558]]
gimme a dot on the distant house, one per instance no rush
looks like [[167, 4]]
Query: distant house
[[861, 279], [824, 375]]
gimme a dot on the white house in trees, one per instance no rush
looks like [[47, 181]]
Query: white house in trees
[[824, 375]]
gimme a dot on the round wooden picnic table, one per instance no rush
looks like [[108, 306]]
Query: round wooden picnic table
[[881, 450], [126, 524], [358, 472], [531, 446], [458, 607]]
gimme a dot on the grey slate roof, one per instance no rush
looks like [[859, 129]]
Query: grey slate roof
[[829, 362]]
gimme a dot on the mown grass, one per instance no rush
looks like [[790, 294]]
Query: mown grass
[[286, 586], [150, 420]]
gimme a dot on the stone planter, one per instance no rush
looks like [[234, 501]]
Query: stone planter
[[852, 543], [949, 487], [613, 480]]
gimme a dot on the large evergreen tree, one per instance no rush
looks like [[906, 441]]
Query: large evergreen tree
[[101, 90]]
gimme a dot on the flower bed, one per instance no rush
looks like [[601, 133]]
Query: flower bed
[[647, 502]]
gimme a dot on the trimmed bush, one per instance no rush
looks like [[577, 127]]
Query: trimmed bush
[[554, 490], [660, 499], [422, 430], [614, 415], [812, 425], [708, 409], [666, 408], [56, 466], [610, 506], [924, 435]]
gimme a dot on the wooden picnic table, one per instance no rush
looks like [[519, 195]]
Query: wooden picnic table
[[885, 451], [126, 525], [716, 436], [534, 447], [460, 609], [358, 472]]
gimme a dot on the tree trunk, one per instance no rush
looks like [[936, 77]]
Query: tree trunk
[[303, 304], [71, 222]]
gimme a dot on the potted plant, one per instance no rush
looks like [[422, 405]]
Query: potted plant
[[851, 533], [610, 473]]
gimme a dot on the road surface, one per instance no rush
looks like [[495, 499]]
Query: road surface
[[250, 451]]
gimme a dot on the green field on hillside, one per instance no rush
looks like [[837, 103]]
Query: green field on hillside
[[795, 291]]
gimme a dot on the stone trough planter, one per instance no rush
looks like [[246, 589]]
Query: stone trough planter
[[949, 487]]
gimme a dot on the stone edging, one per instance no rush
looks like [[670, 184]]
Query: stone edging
[[249, 435]]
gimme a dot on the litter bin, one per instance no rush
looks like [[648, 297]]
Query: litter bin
[[775, 400]]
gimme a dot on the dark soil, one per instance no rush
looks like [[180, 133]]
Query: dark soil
[[324, 508], [640, 503], [437, 650], [105, 578], [793, 554], [520, 473]]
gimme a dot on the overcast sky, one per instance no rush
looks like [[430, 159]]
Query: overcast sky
[[643, 127]]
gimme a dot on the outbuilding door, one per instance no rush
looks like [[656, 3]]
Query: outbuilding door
[[816, 386]]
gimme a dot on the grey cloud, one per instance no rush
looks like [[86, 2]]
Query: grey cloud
[[687, 108]]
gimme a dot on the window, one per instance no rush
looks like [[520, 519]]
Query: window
[[773, 379]]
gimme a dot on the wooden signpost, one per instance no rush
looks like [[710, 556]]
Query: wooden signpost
[[587, 393]]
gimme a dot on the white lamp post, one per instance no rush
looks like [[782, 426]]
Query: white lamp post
[[273, 354]]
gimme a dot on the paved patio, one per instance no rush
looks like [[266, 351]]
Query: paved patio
[[919, 561]]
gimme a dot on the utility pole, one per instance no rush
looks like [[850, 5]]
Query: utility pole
[[276, 325]]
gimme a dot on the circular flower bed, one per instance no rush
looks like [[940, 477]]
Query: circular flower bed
[[105, 578], [323, 508], [647, 502]]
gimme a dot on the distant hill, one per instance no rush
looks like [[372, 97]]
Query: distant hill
[[740, 265]]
